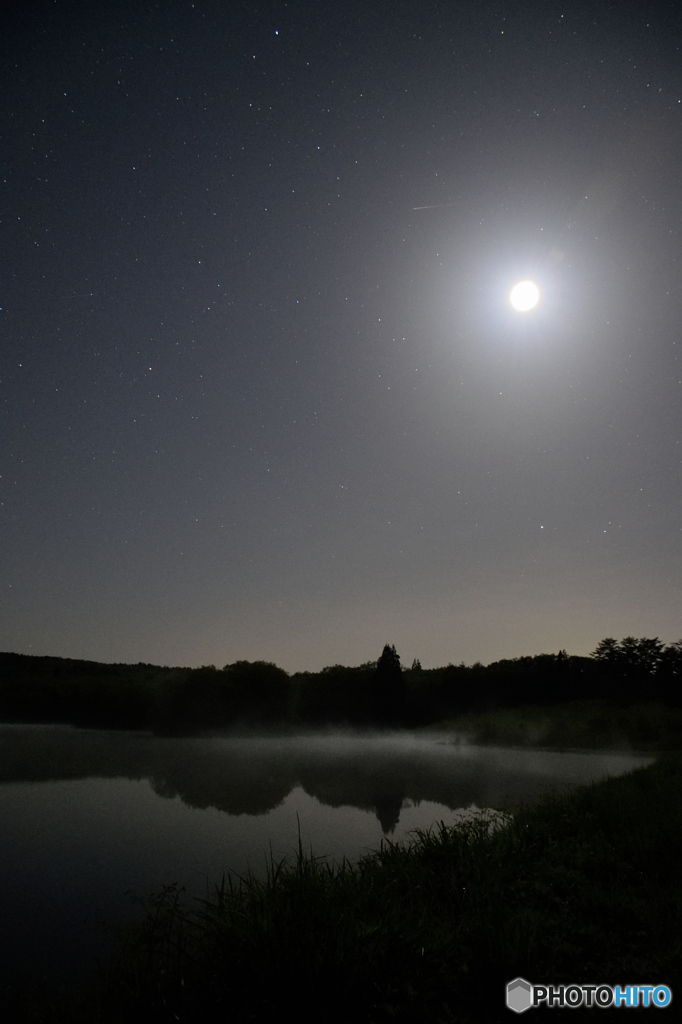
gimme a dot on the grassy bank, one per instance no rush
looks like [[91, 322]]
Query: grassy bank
[[583, 888], [585, 723]]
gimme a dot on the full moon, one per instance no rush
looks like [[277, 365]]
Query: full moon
[[524, 296]]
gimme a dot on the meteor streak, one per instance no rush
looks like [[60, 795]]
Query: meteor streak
[[437, 206]]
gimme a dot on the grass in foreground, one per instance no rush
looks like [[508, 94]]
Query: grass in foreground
[[584, 888]]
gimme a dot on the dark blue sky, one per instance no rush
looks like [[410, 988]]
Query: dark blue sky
[[262, 393]]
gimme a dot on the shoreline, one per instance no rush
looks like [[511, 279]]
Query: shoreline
[[647, 727]]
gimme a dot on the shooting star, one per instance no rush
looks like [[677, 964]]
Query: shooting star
[[436, 206]]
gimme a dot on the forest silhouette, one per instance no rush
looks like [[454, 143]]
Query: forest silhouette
[[383, 694]]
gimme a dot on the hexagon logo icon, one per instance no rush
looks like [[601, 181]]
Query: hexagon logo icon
[[519, 995]]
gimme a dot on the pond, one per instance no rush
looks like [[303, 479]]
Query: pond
[[86, 815]]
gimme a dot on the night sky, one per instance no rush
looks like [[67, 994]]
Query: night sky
[[263, 395]]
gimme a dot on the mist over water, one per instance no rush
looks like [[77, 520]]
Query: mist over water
[[86, 815]]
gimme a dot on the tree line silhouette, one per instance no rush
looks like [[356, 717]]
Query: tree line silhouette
[[252, 695]]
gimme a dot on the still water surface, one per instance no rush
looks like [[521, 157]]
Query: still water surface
[[86, 815]]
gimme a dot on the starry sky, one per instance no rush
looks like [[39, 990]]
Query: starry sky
[[262, 393]]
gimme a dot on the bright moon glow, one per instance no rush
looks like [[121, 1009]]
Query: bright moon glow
[[524, 296]]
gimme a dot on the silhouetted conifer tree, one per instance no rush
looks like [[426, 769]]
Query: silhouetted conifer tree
[[389, 688]]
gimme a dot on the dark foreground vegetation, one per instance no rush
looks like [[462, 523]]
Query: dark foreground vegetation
[[583, 888], [258, 695]]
